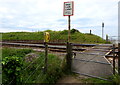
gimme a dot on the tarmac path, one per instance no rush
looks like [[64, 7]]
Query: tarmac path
[[92, 62]]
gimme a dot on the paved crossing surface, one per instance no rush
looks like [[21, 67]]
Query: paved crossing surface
[[92, 62]]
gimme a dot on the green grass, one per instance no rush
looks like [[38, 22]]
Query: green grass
[[53, 73], [55, 36], [95, 81], [31, 74], [116, 78], [15, 52], [0, 65]]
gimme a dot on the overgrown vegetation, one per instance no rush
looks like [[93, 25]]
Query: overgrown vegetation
[[116, 78], [55, 36], [0, 66], [16, 69]]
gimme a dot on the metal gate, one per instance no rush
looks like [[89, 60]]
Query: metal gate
[[92, 62]]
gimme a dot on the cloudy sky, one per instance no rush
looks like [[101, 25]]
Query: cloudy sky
[[39, 15]]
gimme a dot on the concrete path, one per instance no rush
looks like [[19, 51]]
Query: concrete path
[[92, 62]]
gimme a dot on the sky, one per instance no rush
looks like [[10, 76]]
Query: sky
[[40, 15]]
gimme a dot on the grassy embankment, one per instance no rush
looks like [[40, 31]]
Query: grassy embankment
[[55, 36]]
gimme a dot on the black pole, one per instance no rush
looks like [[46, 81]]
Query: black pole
[[68, 28], [114, 59]]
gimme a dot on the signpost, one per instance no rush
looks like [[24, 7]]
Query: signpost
[[68, 11]]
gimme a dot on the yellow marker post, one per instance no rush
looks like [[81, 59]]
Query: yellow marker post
[[46, 40]]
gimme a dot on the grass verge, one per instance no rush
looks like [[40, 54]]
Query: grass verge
[[15, 66]]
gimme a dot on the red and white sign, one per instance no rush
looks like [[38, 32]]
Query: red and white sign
[[68, 8]]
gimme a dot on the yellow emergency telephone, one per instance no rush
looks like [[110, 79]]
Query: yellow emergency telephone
[[46, 37]]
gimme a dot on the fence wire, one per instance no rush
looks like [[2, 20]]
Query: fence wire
[[34, 69]]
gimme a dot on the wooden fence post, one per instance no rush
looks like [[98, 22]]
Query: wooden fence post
[[69, 56], [106, 38], [114, 59], [46, 57]]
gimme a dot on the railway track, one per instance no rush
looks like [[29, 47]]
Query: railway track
[[58, 47]]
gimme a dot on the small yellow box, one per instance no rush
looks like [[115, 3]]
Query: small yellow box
[[46, 37]]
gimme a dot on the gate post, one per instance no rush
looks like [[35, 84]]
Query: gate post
[[46, 57], [114, 59], [106, 38], [69, 56]]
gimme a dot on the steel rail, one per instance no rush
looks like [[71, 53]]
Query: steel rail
[[42, 46]]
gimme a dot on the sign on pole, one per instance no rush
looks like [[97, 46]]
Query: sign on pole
[[68, 11], [68, 8]]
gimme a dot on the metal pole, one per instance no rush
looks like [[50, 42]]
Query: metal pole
[[68, 28], [114, 59], [119, 58]]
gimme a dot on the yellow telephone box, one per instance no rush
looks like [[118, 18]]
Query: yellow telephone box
[[46, 37]]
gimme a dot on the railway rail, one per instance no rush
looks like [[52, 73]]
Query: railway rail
[[58, 47]]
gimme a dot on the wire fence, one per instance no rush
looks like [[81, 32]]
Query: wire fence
[[34, 66], [30, 71]]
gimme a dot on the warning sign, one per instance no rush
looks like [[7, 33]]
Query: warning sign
[[68, 8]]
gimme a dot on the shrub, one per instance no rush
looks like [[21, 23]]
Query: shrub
[[11, 69]]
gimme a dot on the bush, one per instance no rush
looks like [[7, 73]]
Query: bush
[[12, 64], [74, 30], [11, 68]]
